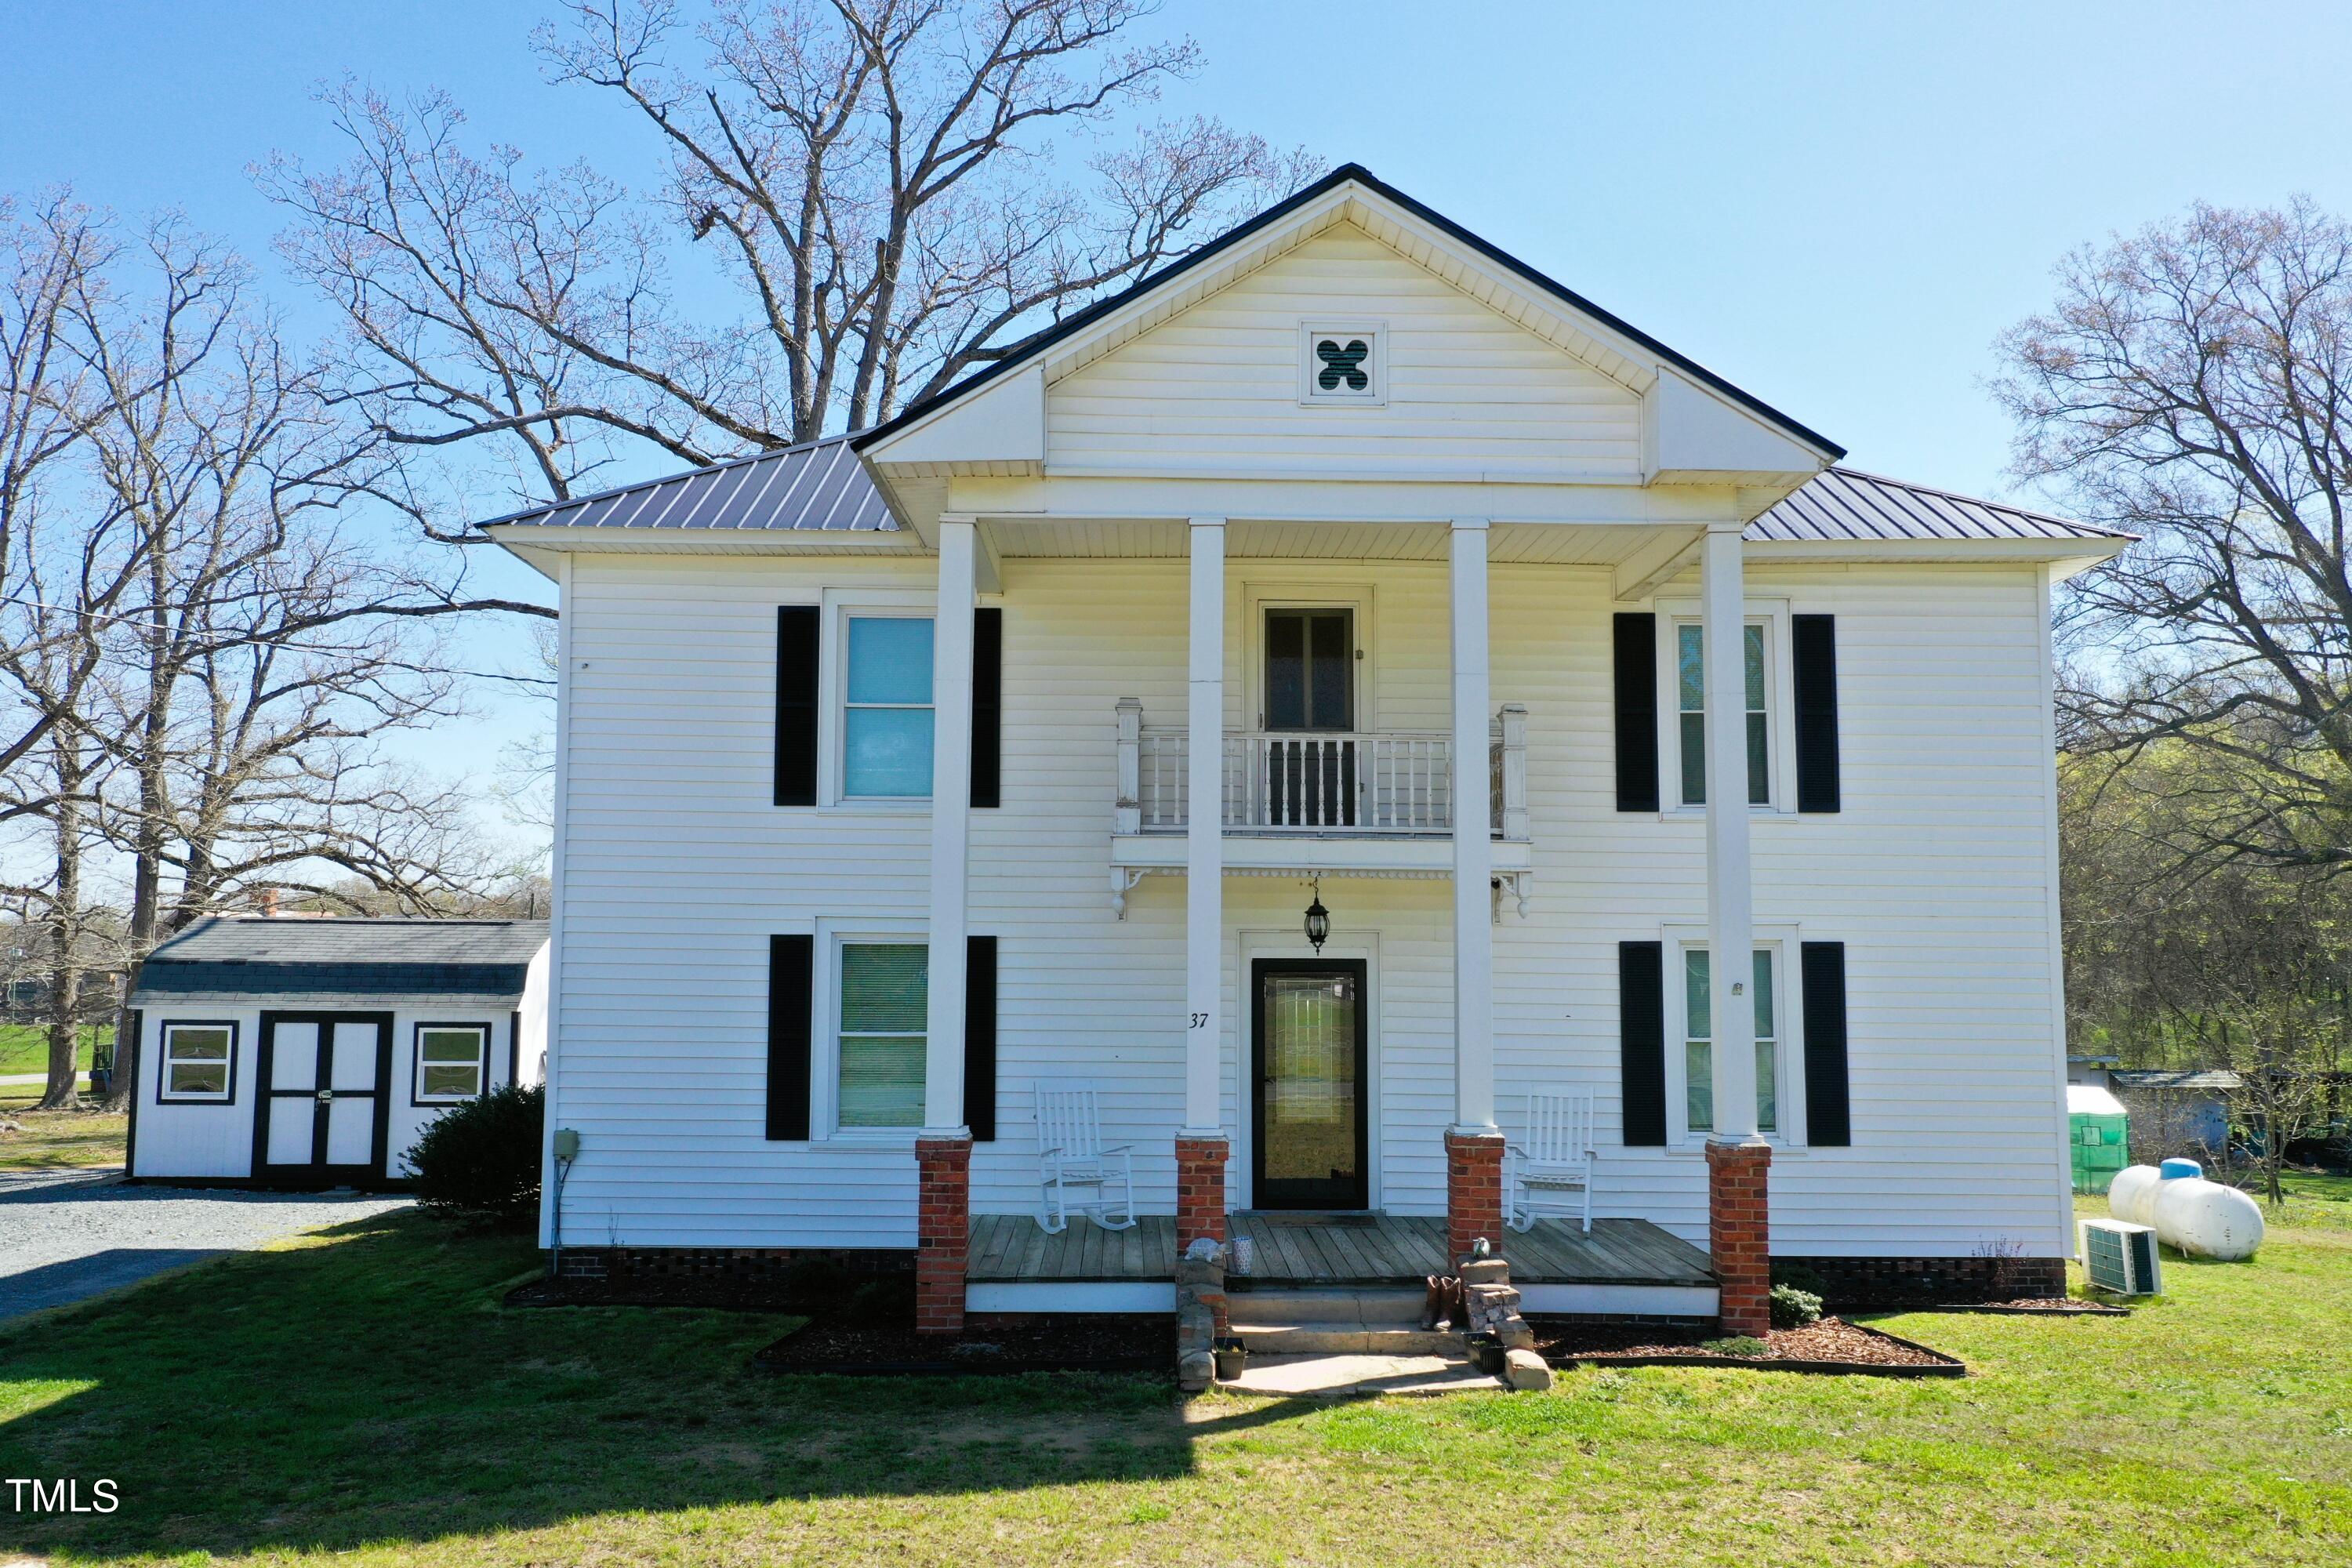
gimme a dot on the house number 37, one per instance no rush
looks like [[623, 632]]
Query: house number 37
[[1199, 1020]]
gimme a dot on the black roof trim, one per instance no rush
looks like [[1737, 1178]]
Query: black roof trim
[[1344, 175], [236, 976]]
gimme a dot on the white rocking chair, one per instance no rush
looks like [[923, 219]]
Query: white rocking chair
[[1070, 1153], [1550, 1170]]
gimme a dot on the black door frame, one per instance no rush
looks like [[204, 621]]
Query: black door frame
[[1328, 1196], [317, 1173]]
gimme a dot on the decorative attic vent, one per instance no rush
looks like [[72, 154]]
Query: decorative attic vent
[[1343, 362]]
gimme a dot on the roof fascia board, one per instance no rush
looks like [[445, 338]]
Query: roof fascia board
[[520, 537]]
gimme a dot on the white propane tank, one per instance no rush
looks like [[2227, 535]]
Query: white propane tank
[[2208, 1219], [2131, 1196]]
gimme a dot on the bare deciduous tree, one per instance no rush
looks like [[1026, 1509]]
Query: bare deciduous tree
[[2194, 384], [883, 184]]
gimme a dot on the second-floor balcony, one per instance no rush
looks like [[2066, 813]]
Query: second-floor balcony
[[1393, 784]]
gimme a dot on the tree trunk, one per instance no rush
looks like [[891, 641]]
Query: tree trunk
[[65, 937]]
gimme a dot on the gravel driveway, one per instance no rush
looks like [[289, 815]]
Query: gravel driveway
[[67, 1235]]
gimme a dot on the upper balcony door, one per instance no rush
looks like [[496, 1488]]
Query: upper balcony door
[[1310, 706]]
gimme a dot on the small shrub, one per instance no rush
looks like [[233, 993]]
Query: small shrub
[[478, 1161], [1738, 1344], [1793, 1309]]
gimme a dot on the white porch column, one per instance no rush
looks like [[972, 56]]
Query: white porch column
[[1204, 847], [950, 830], [1730, 914], [1474, 853]]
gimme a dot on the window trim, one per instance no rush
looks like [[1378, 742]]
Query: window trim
[[832, 658], [1375, 333], [825, 1042], [1359, 599], [1781, 697], [1787, 1000], [416, 1095], [163, 1095]]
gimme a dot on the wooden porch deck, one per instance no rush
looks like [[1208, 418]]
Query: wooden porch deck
[[1303, 1249]]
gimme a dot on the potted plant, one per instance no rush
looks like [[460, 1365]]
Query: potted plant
[[1232, 1358]]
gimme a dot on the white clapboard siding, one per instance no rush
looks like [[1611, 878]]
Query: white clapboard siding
[[1217, 390], [677, 870]]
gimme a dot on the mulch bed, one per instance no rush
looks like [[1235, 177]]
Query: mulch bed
[[1093, 1342], [1832, 1345]]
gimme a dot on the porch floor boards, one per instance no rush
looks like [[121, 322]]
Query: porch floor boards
[[1320, 1250]]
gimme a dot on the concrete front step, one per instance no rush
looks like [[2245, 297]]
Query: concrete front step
[[1369, 1308], [1346, 1339]]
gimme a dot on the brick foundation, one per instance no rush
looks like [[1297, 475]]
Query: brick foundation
[[1739, 1234], [734, 1265], [1846, 1282], [1473, 1190], [1201, 1190], [943, 1233]]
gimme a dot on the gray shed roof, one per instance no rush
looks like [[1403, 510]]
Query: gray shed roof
[[1848, 504], [2220, 1079], [822, 487], [818, 487], [247, 953]]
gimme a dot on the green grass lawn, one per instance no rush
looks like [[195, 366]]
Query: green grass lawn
[[364, 1393], [57, 1140], [24, 1048]]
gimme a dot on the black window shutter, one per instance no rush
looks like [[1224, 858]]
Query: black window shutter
[[980, 1037], [1829, 1112], [1813, 640], [1642, 1040], [987, 705], [796, 706], [1636, 639], [792, 975]]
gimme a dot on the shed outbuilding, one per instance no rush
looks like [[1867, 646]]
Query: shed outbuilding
[[313, 1052]]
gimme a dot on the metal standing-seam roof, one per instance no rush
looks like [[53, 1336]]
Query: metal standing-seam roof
[[1844, 504], [817, 487], [226, 953]]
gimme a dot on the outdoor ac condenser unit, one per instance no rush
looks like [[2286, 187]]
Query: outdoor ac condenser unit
[[2119, 1258]]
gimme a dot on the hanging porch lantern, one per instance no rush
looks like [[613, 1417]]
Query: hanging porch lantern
[[1318, 919]]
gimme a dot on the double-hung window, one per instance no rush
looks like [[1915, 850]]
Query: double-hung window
[[885, 999], [1698, 1048], [452, 1062], [1690, 702], [886, 723], [199, 1061]]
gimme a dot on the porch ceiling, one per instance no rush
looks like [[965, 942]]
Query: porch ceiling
[[1559, 544]]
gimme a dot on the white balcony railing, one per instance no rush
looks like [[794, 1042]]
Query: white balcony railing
[[1379, 783]]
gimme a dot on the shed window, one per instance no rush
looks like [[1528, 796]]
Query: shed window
[[1690, 695], [199, 1061], [1698, 1051], [884, 999], [452, 1062], [887, 712]]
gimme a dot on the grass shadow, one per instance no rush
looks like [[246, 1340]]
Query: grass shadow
[[377, 1392]]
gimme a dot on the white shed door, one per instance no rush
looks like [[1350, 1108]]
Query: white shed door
[[324, 1107]]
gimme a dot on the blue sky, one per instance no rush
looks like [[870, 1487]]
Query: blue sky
[[1837, 206]]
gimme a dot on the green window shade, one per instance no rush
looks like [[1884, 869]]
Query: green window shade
[[884, 1001], [1690, 699], [1690, 683], [1698, 1051]]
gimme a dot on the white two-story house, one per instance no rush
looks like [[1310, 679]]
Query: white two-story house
[[1349, 562]]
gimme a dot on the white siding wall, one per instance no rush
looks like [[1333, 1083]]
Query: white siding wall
[[215, 1142], [677, 868], [1217, 389]]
